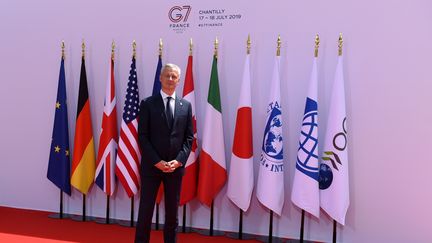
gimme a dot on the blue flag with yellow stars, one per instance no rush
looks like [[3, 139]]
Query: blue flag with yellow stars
[[59, 159], [157, 84]]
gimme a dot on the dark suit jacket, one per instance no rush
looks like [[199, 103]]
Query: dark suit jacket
[[157, 141]]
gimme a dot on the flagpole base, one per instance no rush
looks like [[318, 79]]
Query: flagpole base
[[57, 216]]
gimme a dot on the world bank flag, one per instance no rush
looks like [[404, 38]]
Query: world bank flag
[[305, 191]]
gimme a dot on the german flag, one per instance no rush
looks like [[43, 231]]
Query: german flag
[[83, 160]]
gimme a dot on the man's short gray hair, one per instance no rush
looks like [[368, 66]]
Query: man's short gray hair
[[171, 66]]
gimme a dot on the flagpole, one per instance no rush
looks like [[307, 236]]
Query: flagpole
[[61, 191], [240, 233], [107, 209], [302, 226], [157, 216], [340, 45], [61, 204], [107, 220], [271, 227], [157, 204], [132, 198], [132, 212], [160, 47], [211, 218], [184, 206], [216, 45], [317, 42], [271, 211], [84, 196], [84, 208], [334, 230], [184, 219]]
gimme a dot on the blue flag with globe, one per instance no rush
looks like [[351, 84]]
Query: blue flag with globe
[[307, 154], [305, 191]]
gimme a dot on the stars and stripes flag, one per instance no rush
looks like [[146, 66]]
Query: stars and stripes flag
[[129, 154], [105, 164], [305, 190], [189, 182], [83, 160], [270, 185], [212, 171], [59, 159], [334, 183], [241, 175]]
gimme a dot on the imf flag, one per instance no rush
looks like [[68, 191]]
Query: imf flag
[[305, 191], [270, 188]]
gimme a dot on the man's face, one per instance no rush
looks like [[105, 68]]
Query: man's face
[[169, 79]]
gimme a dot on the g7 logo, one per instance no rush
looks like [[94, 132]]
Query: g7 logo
[[175, 13]]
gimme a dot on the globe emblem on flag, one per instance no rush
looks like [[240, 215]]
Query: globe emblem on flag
[[273, 142], [307, 154], [325, 176]]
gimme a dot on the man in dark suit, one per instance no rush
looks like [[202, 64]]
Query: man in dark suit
[[165, 136]]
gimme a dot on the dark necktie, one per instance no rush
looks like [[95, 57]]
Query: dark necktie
[[168, 112]]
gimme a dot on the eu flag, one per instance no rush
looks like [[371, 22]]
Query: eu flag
[[59, 159], [157, 84]]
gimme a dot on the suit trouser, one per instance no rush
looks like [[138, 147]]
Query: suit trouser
[[149, 189]]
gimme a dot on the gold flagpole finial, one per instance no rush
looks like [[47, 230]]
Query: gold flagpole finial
[[63, 49], [133, 49], [112, 50], [248, 45], [278, 46], [160, 47], [340, 44], [83, 49], [317, 42], [190, 47], [216, 46]]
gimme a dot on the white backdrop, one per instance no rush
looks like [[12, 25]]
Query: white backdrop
[[387, 56]]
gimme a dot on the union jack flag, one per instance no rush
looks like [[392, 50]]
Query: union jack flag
[[129, 154], [104, 176]]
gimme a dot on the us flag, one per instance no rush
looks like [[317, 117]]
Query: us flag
[[106, 157], [129, 154]]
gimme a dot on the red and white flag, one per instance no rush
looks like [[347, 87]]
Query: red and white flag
[[105, 164], [189, 183], [129, 153], [241, 175]]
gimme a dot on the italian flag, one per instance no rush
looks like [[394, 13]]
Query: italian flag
[[212, 171]]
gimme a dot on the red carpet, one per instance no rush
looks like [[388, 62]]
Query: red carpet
[[18, 225]]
